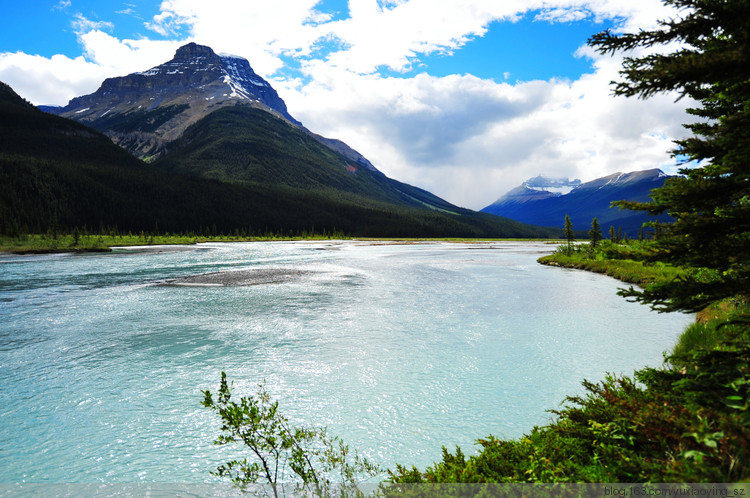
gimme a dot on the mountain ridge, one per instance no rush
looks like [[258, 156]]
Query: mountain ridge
[[558, 186], [583, 202], [244, 144]]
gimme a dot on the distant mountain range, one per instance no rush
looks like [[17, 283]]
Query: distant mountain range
[[545, 202], [209, 145]]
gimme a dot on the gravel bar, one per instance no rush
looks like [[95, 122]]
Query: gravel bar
[[239, 278]]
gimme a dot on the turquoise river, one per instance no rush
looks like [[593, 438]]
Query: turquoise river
[[398, 349]]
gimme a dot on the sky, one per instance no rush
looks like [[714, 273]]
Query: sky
[[464, 98]]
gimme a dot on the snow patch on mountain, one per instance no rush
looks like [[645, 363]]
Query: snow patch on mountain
[[232, 70], [556, 186], [237, 74], [613, 180]]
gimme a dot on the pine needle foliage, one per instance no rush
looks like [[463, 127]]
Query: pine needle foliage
[[711, 200]]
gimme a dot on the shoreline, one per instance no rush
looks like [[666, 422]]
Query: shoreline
[[64, 244]]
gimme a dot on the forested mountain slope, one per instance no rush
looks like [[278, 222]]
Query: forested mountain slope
[[57, 175]]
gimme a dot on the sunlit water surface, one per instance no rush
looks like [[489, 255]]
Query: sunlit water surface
[[398, 349]]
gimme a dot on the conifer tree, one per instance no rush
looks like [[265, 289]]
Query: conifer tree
[[595, 233], [568, 229], [710, 202]]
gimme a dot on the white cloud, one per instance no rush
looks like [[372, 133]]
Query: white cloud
[[166, 23], [395, 37], [126, 56], [83, 25], [53, 80], [62, 5], [562, 15], [470, 140], [260, 31]]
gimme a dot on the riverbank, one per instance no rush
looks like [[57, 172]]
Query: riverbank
[[686, 421], [630, 271]]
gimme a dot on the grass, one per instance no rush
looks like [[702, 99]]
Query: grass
[[43, 243], [716, 325], [630, 264]]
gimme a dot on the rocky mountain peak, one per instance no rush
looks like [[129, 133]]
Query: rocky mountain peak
[[193, 51], [196, 77], [144, 111], [216, 77]]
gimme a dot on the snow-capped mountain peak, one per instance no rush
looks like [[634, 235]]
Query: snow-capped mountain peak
[[219, 76], [196, 74], [541, 201], [168, 98]]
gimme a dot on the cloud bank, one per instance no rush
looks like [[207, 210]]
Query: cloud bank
[[350, 75]]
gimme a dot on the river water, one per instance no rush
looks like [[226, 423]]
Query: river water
[[397, 349]]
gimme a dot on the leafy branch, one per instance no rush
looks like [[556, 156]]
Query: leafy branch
[[279, 453]]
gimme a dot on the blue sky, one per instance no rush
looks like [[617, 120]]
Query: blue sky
[[48, 27], [466, 98], [525, 49]]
